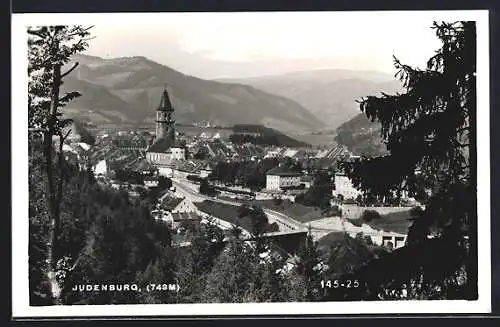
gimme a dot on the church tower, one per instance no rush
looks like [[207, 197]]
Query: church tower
[[164, 122]]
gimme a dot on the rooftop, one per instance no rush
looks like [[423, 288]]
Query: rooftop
[[163, 145], [169, 203], [283, 171], [142, 165], [185, 216]]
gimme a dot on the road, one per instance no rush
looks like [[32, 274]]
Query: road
[[189, 190], [286, 223]]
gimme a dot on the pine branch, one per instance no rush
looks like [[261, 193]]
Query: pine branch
[[70, 70], [36, 33]]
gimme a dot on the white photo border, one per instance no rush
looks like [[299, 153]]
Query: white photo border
[[20, 223]]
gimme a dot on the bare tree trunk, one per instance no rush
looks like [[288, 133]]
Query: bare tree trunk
[[53, 200]]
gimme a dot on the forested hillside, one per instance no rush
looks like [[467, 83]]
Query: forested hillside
[[361, 136]]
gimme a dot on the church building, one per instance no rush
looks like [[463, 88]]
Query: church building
[[165, 149]]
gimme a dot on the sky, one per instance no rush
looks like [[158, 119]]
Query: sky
[[215, 45]]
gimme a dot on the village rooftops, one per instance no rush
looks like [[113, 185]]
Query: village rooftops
[[283, 172], [142, 165]]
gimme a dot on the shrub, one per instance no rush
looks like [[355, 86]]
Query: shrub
[[416, 212], [369, 215]]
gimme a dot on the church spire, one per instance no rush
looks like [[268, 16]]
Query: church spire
[[164, 121], [165, 104]]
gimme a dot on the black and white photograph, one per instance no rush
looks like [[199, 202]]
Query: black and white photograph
[[250, 163]]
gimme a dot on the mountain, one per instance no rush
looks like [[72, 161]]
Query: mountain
[[330, 94], [128, 90], [361, 136]]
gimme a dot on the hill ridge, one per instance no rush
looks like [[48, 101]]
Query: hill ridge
[[129, 87]]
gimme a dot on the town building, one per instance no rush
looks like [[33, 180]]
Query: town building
[[174, 211], [273, 153], [179, 218], [307, 180], [165, 149], [344, 187], [281, 178], [101, 168], [206, 171], [151, 181], [176, 205]]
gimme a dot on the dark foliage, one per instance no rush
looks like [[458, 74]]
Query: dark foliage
[[369, 215], [430, 133], [257, 134]]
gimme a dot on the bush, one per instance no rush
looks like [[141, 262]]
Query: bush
[[369, 215], [356, 222], [416, 212], [164, 182], [195, 178]]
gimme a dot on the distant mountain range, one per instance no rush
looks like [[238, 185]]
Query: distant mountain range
[[329, 94], [128, 90]]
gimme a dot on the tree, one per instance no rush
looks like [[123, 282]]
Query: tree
[[369, 215], [430, 133], [257, 216], [233, 274], [308, 267], [164, 182], [49, 49], [206, 188], [319, 194]]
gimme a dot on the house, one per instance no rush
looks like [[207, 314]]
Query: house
[[151, 181], [175, 205], [344, 187], [281, 177], [179, 218], [205, 135], [290, 153], [307, 180], [274, 153], [143, 167], [101, 168], [205, 172]]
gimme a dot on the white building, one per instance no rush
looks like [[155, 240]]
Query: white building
[[205, 172], [151, 181], [274, 153], [163, 153], [279, 178], [344, 187], [290, 153], [101, 168]]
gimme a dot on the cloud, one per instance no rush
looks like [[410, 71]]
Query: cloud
[[355, 40]]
